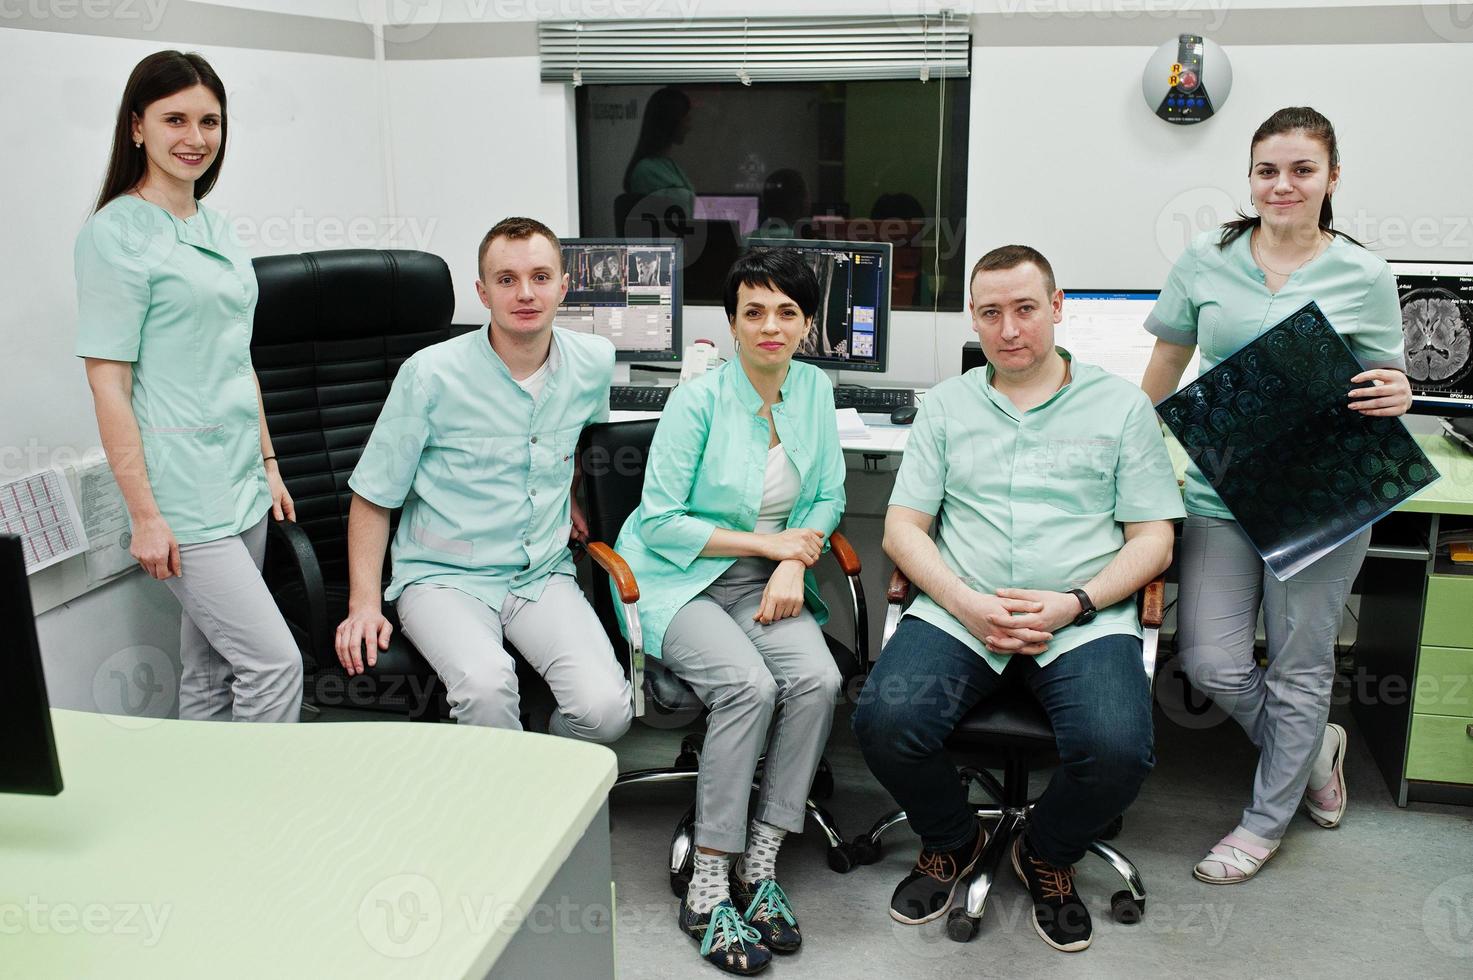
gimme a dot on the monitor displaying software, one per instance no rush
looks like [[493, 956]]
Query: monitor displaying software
[[626, 290], [1107, 328], [739, 208], [1437, 334], [850, 331]]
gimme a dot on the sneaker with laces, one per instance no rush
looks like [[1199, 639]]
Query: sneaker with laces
[[927, 891], [1059, 917], [765, 907], [727, 942]]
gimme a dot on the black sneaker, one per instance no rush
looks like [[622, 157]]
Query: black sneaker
[[927, 891], [727, 942], [1059, 917], [764, 906]]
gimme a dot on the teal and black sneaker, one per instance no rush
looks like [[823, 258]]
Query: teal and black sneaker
[[727, 942], [765, 907]]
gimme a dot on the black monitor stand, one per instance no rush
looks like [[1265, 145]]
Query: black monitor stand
[[29, 749]]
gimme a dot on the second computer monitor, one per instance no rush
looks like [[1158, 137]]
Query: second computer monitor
[[1437, 334], [626, 290], [850, 331]]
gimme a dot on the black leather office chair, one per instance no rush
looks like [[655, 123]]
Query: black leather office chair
[[612, 457], [331, 330], [1011, 732]]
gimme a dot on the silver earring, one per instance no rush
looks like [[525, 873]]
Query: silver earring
[[138, 144]]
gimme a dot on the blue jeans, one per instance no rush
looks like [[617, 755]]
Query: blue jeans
[[1096, 697]]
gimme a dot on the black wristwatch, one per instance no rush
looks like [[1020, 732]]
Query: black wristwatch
[[1086, 607]]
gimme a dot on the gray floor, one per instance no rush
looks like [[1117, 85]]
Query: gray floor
[[1387, 894], [1378, 896]]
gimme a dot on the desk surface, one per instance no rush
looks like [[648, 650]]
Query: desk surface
[[188, 849], [1453, 494]]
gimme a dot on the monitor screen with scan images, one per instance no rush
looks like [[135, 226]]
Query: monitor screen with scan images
[[28, 763], [1437, 334], [626, 290], [850, 331]]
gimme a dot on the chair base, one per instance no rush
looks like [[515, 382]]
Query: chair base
[[682, 842], [1010, 816]]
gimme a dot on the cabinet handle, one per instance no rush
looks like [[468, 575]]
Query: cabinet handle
[[1470, 731]]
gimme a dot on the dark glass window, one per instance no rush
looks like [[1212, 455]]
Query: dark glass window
[[716, 163]]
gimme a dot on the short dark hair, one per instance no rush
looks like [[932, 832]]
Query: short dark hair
[[1012, 256], [780, 269], [516, 228]]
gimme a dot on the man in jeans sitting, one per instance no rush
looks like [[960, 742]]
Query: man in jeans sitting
[[1056, 496]]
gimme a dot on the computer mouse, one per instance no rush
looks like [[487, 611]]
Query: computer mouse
[[904, 415]]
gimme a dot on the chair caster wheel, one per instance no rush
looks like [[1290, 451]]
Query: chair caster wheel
[[823, 785], [680, 883], [961, 927], [865, 851], [1125, 909], [1112, 829], [841, 859]]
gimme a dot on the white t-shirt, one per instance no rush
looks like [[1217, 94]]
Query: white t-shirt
[[533, 383], [779, 492]]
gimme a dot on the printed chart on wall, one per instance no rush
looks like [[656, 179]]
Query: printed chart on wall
[[39, 509], [1270, 429]]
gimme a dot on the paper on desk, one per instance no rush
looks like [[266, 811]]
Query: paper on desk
[[851, 426], [105, 518], [40, 509]]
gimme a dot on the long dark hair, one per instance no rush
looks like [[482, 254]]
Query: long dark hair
[[156, 77], [1294, 119], [662, 116]]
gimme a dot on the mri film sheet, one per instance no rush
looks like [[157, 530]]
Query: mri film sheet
[[1270, 430]]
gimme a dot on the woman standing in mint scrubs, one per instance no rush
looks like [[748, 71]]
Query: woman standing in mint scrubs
[[1231, 285], [165, 303]]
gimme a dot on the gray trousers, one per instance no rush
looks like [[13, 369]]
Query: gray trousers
[[1284, 708], [559, 635], [746, 674], [239, 661]]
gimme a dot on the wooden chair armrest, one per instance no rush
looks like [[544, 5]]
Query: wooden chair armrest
[[608, 559], [1153, 603], [899, 589], [844, 551]]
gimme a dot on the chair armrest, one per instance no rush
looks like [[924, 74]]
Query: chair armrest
[[899, 589], [299, 552], [1153, 603], [608, 559], [844, 552]]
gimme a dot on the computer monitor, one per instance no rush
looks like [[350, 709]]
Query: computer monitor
[[1437, 334], [30, 764], [1107, 328], [851, 329], [627, 290], [739, 208]]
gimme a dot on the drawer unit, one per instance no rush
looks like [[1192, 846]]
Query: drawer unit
[[1448, 620], [1441, 749], [1444, 682]]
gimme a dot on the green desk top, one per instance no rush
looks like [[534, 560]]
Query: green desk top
[[1453, 494], [192, 849]]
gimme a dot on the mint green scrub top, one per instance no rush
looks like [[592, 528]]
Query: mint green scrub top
[[1036, 499], [662, 176], [176, 297], [705, 471], [1217, 299], [483, 472]]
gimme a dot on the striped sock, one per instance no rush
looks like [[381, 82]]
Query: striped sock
[[760, 859]]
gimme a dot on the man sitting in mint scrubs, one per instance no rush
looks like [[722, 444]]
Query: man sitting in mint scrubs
[[477, 442], [1056, 496]]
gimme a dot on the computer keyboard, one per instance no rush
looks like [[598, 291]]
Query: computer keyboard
[[638, 398], [873, 400]]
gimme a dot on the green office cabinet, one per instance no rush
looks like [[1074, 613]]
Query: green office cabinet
[[1444, 683], [1449, 618], [1441, 749]]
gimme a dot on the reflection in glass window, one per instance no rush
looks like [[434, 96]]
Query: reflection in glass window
[[714, 164]]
